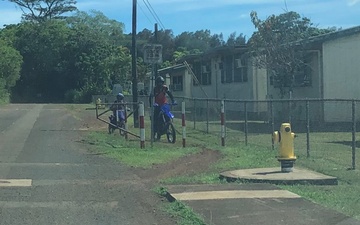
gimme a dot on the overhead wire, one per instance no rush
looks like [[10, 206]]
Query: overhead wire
[[153, 13], [144, 13], [161, 24], [148, 7]]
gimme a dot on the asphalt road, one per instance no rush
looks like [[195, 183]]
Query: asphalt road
[[48, 177]]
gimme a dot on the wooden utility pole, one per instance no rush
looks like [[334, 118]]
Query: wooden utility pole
[[156, 42], [133, 65]]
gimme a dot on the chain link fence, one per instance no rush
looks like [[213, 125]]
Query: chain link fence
[[324, 127]]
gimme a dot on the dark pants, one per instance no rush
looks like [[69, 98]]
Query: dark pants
[[156, 117]]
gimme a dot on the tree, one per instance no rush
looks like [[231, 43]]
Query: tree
[[41, 46], [10, 66], [273, 46], [96, 21], [73, 58], [234, 40], [40, 10], [93, 55], [199, 41]]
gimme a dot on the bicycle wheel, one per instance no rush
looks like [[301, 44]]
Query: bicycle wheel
[[111, 129], [122, 126], [170, 133], [157, 136]]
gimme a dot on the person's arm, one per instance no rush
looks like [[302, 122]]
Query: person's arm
[[112, 106], [150, 99]]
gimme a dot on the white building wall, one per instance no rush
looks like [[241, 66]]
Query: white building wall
[[254, 89], [341, 66]]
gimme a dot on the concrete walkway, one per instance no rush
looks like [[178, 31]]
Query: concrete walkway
[[258, 200], [275, 176], [254, 204]]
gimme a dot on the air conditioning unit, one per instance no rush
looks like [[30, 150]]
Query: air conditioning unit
[[239, 63]]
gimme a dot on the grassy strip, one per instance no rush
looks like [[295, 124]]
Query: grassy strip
[[184, 214], [327, 156], [129, 153]]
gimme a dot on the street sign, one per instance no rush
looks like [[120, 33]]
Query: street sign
[[153, 53]]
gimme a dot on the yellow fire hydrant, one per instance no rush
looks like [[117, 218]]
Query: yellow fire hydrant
[[98, 103], [285, 139]]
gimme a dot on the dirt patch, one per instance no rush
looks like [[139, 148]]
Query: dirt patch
[[90, 122], [187, 165]]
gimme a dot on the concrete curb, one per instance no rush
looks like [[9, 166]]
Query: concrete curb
[[275, 176]]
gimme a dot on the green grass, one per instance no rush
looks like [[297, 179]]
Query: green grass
[[330, 154], [343, 197], [129, 152], [184, 214]]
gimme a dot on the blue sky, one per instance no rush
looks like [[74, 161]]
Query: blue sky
[[219, 16]]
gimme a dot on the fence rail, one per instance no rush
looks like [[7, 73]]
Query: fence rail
[[323, 126], [321, 123]]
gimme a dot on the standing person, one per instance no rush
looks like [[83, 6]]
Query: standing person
[[159, 94]]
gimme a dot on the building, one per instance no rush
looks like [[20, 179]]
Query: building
[[222, 73], [332, 72]]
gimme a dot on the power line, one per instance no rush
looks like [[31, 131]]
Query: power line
[[161, 24], [145, 14], [147, 6], [153, 13]]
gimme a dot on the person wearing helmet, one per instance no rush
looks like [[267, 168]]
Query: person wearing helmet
[[117, 106], [159, 93]]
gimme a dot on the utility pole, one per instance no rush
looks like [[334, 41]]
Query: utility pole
[[156, 42], [154, 73], [133, 66]]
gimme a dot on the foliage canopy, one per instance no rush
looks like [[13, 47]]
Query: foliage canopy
[[41, 10], [275, 46]]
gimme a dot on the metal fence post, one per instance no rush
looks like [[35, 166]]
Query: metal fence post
[[222, 122], [183, 111], [207, 116], [272, 121], [194, 113], [353, 133], [307, 129], [290, 109], [142, 125], [246, 123]]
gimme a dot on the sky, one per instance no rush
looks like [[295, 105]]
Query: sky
[[219, 16]]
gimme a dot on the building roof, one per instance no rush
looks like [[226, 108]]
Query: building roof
[[215, 51], [317, 41], [172, 68], [335, 34]]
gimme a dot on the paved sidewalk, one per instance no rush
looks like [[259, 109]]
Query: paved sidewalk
[[254, 204], [259, 202]]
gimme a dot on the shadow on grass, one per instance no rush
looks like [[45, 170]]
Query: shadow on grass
[[347, 143]]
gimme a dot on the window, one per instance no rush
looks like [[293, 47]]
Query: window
[[240, 70], [301, 77], [177, 83], [206, 73], [202, 72], [227, 71], [234, 69], [197, 71]]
